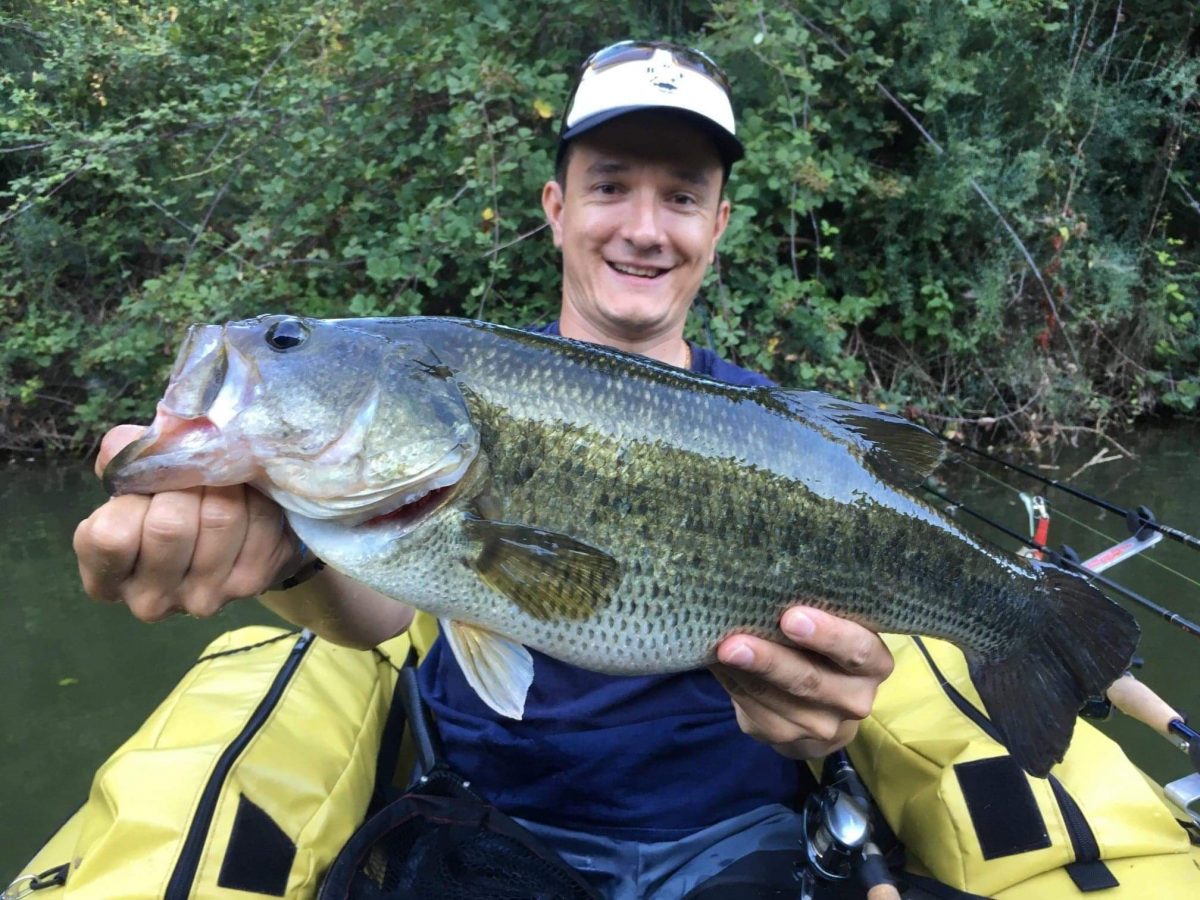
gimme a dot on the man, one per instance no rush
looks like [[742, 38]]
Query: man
[[650, 785]]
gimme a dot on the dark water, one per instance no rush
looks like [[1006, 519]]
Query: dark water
[[78, 677]]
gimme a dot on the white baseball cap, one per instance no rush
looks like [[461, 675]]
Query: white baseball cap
[[637, 75]]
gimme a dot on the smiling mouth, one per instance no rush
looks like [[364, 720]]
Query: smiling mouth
[[637, 271]]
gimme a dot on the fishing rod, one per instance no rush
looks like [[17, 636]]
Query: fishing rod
[[1070, 560], [1135, 699], [1138, 519], [1128, 694]]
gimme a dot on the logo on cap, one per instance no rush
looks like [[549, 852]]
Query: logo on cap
[[666, 80]]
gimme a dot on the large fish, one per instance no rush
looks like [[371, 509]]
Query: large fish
[[611, 511]]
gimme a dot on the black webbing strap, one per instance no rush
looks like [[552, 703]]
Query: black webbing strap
[[1089, 871]]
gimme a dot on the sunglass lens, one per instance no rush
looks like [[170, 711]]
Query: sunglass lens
[[699, 62], [626, 51], [634, 51]]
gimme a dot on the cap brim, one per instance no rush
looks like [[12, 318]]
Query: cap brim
[[729, 148]]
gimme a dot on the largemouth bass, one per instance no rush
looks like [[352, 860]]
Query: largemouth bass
[[611, 511]]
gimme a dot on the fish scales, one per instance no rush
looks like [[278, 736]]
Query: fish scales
[[612, 511], [612, 468]]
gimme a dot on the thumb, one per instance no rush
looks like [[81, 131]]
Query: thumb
[[115, 441]]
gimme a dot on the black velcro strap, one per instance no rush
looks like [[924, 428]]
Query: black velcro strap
[[1002, 807], [260, 855], [1092, 876]]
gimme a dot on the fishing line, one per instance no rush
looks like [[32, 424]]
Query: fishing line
[[1015, 535], [1131, 516], [1152, 560], [1145, 557], [1058, 559]]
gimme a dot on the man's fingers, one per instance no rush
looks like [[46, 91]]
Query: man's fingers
[[191, 551], [153, 607], [766, 723], [851, 647], [169, 533], [757, 664], [116, 440], [267, 547], [106, 545], [223, 522], [110, 546], [785, 680], [769, 715], [793, 681], [804, 698], [728, 679]]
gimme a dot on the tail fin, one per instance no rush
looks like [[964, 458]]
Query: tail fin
[[1082, 644]]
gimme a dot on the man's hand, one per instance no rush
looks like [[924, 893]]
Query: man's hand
[[187, 551], [805, 701]]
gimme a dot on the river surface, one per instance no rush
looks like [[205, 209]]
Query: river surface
[[77, 677]]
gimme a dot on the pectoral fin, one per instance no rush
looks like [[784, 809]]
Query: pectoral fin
[[547, 575], [500, 670]]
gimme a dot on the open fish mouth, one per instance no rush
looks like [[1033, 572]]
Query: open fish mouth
[[402, 504], [187, 444], [349, 453], [411, 513]]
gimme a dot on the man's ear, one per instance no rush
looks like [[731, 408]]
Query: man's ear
[[719, 226], [552, 205]]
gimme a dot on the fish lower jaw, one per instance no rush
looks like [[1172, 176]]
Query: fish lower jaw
[[413, 509], [178, 453], [401, 505], [391, 519], [357, 541]]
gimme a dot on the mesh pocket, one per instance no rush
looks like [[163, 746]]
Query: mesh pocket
[[434, 847]]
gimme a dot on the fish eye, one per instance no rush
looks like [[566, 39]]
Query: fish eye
[[286, 334]]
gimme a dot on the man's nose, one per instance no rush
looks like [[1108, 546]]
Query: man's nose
[[643, 224]]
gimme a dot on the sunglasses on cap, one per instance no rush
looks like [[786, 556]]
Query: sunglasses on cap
[[683, 80], [634, 51]]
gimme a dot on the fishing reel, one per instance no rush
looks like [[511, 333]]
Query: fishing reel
[[836, 828], [836, 822]]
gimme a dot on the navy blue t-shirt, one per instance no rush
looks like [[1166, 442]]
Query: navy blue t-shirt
[[647, 758]]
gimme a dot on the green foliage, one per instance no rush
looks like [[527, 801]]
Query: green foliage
[[166, 164], [1075, 119]]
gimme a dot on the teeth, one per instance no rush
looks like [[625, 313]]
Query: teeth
[[635, 270]]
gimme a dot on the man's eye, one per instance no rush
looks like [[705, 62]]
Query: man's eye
[[606, 188]]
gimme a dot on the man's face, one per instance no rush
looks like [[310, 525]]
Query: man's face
[[638, 223]]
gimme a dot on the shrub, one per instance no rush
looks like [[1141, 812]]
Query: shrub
[[161, 165]]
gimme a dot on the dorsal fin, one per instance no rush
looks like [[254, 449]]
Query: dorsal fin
[[895, 449]]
